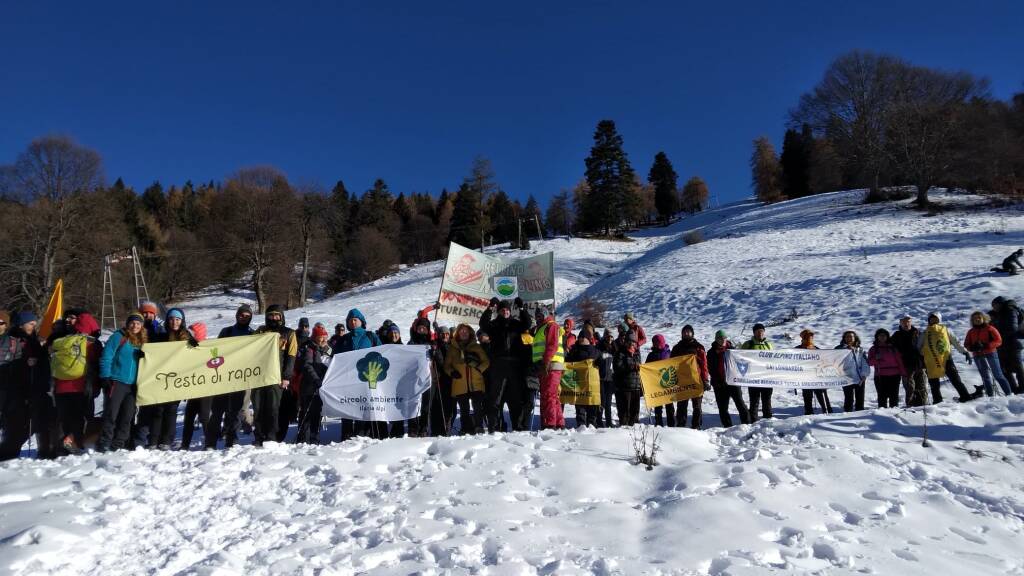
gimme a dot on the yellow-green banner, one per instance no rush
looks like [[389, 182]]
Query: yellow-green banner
[[581, 384], [672, 380], [172, 371]]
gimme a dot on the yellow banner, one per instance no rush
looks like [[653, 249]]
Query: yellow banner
[[672, 380], [171, 371], [581, 384], [54, 310]]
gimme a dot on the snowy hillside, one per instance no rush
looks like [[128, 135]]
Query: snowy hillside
[[840, 494]]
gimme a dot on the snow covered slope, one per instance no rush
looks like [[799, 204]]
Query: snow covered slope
[[839, 494], [845, 494]]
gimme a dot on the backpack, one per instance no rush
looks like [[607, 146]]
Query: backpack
[[69, 357], [10, 349]]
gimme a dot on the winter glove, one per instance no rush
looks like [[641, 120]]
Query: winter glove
[[494, 302], [518, 302], [139, 354], [192, 342], [969, 359]]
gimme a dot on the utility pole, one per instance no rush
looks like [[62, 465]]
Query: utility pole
[[519, 236]]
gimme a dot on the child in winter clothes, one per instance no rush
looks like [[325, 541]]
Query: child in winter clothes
[[662, 351], [853, 395], [983, 340], [807, 343], [889, 369]]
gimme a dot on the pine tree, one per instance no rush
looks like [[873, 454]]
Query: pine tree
[[469, 222], [695, 195], [610, 178], [376, 211], [558, 219], [766, 172], [664, 179], [795, 162], [503, 218]]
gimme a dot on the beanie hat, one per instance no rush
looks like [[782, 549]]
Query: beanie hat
[[721, 334], [394, 328], [149, 307], [134, 316], [504, 305], [176, 313], [627, 316], [688, 328], [319, 331], [25, 317], [303, 322], [758, 326]]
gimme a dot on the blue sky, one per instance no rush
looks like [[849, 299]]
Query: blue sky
[[411, 92]]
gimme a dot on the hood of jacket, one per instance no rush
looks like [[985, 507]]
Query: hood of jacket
[[274, 309], [355, 313]]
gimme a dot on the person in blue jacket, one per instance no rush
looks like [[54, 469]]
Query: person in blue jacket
[[359, 338], [119, 366]]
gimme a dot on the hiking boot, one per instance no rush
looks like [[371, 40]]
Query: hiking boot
[[163, 447], [70, 447]]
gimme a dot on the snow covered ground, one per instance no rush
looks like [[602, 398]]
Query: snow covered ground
[[839, 494]]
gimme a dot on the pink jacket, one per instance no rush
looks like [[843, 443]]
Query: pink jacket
[[886, 360]]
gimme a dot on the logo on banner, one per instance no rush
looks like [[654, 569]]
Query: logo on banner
[[506, 286], [569, 380], [463, 272], [743, 366], [215, 361], [669, 377], [373, 368]]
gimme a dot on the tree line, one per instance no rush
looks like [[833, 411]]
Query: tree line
[[876, 121]]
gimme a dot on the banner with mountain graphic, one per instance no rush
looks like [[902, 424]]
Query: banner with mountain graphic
[[174, 371], [380, 384], [672, 380], [795, 368], [472, 278], [581, 384]]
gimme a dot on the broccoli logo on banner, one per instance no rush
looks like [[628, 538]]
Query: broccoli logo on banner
[[669, 378], [569, 380], [373, 368]]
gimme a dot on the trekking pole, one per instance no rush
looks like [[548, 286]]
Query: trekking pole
[[924, 410]]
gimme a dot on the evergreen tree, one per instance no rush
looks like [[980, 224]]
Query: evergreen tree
[[154, 201], [558, 219], [695, 195], [612, 195], [664, 179], [376, 211], [766, 172], [503, 218], [469, 223], [795, 162]]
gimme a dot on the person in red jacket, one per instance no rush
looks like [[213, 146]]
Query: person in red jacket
[[549, 363], [689, 345], [982, 341], [889, 369], [74, 397]]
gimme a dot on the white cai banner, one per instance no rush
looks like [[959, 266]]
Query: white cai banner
[[380, 384], [472, 278], [794, 368]]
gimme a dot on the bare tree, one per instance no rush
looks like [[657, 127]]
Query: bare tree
[[311, 220], [50, 179]]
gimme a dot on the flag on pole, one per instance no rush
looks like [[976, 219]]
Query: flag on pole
[[54, 310]]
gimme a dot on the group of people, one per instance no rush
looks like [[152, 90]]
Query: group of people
[[50, 386]]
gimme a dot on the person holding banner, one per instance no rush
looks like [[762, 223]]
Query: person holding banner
[[549, 363], [723, 391], [689, 345], [759, 396], [436, 405], [316, 359], [266, 400], [807, 343], [466, 363], [226, 409], [163, 417], [506, 376], [359, 338], [662, 351], [936, 345], [119, 365], [582, 351], [853, 395], [606, 369]]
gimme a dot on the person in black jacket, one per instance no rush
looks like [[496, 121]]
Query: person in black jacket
[[904, 339], [1011, 264], [226, 408], [606, 367], [506, 377], [723, 391], [266, 400], [1009, 321], [627, 379], [581, 351], [21, 378], [316, 359], [436, 405]]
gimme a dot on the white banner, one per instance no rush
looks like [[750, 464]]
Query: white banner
[[795, 368], [381, 384], [472, 278]]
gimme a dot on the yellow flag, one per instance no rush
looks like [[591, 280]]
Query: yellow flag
[[54, 310], [581, 384], [672, 380], [172, 371]]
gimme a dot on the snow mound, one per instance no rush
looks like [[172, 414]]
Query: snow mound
[[837, 494]]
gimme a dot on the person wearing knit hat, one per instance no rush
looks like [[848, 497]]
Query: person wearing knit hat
[[807, 343], [723, 391], [688, 345], [19, 352], [272, 411], [316, 358], [633, 326], [226, 410], [150, 311], [157, 422], [935, 346], [759, 396], [392, 334], [119, 364]]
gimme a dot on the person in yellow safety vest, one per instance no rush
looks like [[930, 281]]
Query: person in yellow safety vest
[[549, 363]]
